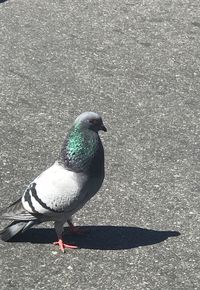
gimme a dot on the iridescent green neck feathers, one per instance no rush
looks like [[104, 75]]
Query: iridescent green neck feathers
[[79, 148]]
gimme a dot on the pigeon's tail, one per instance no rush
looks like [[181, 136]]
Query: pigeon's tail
[[22, 220], [14, 228]]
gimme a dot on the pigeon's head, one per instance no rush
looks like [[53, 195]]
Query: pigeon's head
[[91, 120]]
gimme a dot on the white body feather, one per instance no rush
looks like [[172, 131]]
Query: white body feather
[[62, 191]]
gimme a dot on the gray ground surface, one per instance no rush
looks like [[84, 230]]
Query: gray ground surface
[[137, 63]]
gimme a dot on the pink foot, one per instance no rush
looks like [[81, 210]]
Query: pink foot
[[63, 246]]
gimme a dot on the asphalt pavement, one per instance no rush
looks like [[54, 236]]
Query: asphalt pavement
[[137, 62]]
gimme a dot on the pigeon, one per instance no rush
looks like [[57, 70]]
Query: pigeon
[[62, 189]]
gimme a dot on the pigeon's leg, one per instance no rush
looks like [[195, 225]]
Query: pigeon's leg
[[73, 229], [59, 230]]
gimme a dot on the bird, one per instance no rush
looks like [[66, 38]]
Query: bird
[[63, 188]]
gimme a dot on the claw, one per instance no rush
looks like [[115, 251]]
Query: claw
[[63, 246]]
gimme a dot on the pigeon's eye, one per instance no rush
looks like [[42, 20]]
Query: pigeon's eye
[[94, 121]]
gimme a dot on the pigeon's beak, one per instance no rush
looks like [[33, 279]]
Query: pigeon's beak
[[103, 128]]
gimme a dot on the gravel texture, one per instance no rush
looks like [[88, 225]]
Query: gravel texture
[[137, 63]]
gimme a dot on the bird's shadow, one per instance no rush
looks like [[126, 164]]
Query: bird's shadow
[[100, 237]]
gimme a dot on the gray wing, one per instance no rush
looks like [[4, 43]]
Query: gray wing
[[54, 193]]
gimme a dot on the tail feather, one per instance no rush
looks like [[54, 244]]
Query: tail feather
[[16, 211], [16, 227]]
